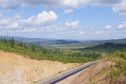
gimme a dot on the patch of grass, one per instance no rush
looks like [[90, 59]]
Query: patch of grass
[[36, 52], [119, 68]]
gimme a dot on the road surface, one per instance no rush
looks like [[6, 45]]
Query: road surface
[[66, 74]]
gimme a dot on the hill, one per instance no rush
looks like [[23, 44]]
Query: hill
[[97, 42], [43, 40], [17, 69], [107, 46], [114, 52], [63, 43]]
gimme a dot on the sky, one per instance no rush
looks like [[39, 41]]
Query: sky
[[63, 19]]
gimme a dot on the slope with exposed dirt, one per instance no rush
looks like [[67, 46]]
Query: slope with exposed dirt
[[16, 69], [89, 75]]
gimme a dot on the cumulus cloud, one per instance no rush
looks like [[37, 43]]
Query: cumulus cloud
[[82, 32], [42, 2], [26, 30], [120, 7], [8, 23], [122, 26], [108, 27], [68, 5], [68, 10], [1, 15], [42, 18], [73, 24], [10, 4], [75, 3], [105, 2], [19, 24], [100, 32]]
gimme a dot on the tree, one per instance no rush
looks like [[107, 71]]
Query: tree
[[12, 42], [33, 48], [21, 44], [1, 39], [5, 40]]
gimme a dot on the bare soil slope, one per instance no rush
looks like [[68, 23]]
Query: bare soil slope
[[90, 75], [16, 69]]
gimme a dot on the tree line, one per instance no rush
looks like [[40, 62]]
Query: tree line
[[39, 52]]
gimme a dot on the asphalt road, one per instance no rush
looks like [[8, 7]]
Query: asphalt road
[[66, 74]]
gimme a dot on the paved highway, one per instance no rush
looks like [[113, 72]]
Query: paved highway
[[66, 74]]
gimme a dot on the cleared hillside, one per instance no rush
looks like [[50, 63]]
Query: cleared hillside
[[17, 69]]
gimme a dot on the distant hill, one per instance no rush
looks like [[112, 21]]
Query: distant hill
[[110, 46], [67, 43], [56, 42], [46, 41], [97, 42], [24, 39], [106, 46]]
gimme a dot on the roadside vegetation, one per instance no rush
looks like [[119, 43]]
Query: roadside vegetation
[[117, 72], [115, 53], [36, 52]]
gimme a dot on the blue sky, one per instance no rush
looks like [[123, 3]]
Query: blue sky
[[64, 19]]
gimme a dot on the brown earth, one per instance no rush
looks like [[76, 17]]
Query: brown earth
[[16, 69], [91, 75]]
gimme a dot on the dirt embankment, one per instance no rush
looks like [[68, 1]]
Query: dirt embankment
[[16, 69], [91, 75]]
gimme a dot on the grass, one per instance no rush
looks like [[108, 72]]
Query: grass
[[118, 70], [36, 52], [71, 56]]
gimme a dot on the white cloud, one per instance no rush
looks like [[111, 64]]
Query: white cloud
[[120, 7], [42, 2], [68, 5], [24, 30], [75, 3], [10, 4], [82, 32], [101, 32], [8, 23], [42, 18], [13, 25], [73, 24], [105, 2], [68, 10], [106, 30], [108, 27], [1, 15], [29, 24], [29, 30], [122, 26], [56, 3]]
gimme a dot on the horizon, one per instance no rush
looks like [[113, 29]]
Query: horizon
[[65, 19], [64, 39]]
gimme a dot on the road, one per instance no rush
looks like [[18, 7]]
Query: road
[[66, 74]]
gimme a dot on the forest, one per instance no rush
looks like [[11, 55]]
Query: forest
[[116, 53], [36, 52]]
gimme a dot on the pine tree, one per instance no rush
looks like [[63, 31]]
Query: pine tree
[[4, 40], [12, 42], [1, 39], [21, 44], [33, 48]]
